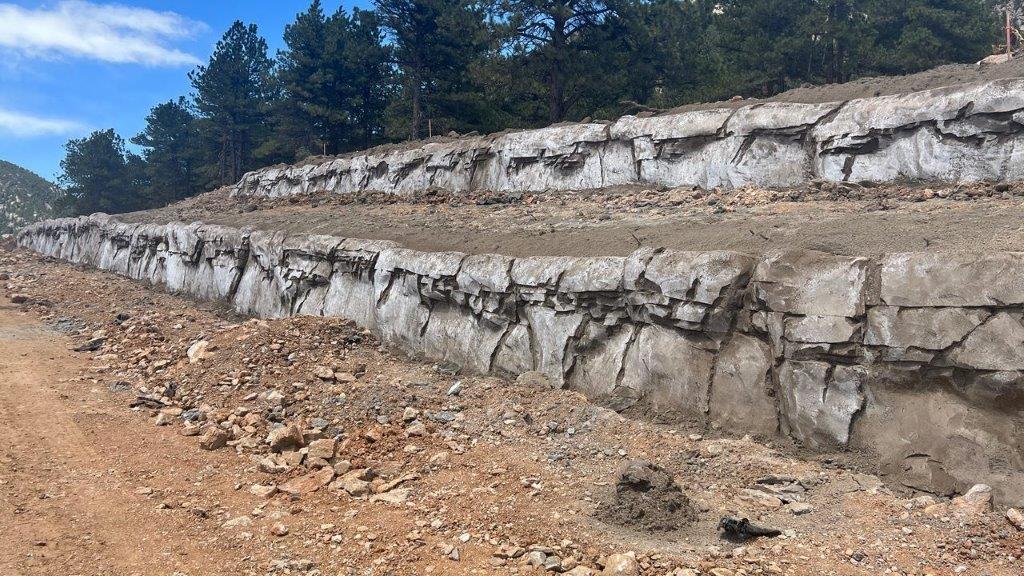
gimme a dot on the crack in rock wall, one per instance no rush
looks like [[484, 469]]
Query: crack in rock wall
[[915, 357], [960, 133]]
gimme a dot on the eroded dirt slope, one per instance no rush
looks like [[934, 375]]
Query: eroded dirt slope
[[331, 455]]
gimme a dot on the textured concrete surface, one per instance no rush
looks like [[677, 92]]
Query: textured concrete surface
[[963, 133], [914, 357]]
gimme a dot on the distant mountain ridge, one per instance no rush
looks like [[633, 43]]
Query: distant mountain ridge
[[25, 197]]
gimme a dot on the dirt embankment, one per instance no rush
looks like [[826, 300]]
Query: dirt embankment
[[838, 218], [872, 86]]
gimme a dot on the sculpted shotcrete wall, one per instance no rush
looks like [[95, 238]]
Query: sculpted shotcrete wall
[[917, 358], [960, 133]]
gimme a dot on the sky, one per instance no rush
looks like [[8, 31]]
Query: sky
[[69, 67]]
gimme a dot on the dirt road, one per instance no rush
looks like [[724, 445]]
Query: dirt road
[[81, 481]]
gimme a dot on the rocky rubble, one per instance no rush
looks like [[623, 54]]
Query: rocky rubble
[[379, 465]]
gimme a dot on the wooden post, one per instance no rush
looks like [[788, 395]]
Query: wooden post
[[1009, 35]]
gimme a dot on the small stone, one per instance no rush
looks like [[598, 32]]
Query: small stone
[[263, 491], [279, 529], [353, 483], [621, 565], [272, 465], [213, 439], [1016, 517], [324, 448], [309, 483], [240, 522], [286, 438], [396, 496], [800, 508], [509, 552], [534, 379], [455, 389], [977, 500], [410, 414], [197, 351], [536, 558], [323, 373], [163, 419], [416, 429]]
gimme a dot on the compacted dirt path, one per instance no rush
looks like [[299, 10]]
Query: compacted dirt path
[[78, 471]]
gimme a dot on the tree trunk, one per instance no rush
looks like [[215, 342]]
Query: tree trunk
[[417, 103], [556, 80]]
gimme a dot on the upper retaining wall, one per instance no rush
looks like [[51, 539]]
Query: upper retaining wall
[[960, 133], [915, 357]]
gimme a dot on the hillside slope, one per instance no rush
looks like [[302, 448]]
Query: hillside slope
[[24, 197]]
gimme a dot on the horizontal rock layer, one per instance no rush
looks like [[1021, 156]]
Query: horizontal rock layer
[[916, 357], [961, 133]]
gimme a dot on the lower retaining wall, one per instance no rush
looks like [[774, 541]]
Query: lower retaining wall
[[916, 358]]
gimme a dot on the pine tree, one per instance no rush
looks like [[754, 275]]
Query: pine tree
[[233, 95], [359, 68], [170, 142], [553, 31], [300, 122], [916, 35], [435, 44], [99, 175]]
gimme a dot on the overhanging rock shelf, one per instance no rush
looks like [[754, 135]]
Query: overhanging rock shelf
[[917, 357], [969, 132]]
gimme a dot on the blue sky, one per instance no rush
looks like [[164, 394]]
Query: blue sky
[[70, 67]]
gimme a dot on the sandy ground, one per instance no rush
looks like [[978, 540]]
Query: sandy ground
[[842, 219], [480, 482]]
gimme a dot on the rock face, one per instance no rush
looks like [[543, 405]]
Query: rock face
[[968, 132], [914, 357]]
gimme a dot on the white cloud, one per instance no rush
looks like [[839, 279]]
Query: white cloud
[[19, 124], [108, 32]]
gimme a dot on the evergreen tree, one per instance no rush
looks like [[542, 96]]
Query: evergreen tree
[[681, 41], [233, 95], [335, 80], [552, 31], [915, 35], [301, 121], [170, 142], [99, 175], [435, 44], [361, 60], [764, 44]]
